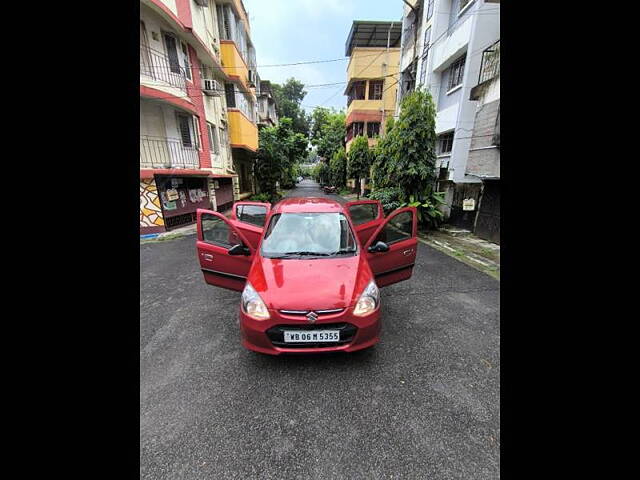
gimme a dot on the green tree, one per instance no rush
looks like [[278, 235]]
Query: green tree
[[321, 172], [338, 168], [279, 153], [319, 118], [404, 166], [359, 160], [288, 98], [329, 138]]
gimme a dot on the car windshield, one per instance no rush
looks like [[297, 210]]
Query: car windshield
[[296, 235]]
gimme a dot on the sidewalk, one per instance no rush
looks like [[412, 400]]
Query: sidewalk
[[466, 247]]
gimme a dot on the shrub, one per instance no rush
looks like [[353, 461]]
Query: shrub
[[390, 198]]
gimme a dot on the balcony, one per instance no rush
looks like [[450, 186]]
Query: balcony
[[159, 152], [243, 132], [159, 68], [489, 69]]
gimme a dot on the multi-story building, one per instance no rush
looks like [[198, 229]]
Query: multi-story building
[[373, 49], [239, 64], [267, 116], [187, 129], [484, 152], [442, 49]]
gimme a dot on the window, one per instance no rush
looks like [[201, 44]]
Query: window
[[185, 60], [397, 229], [356, 92], [253, 214], [445, 143], [375, 89], [358, 128], [456, 72], [230, 94], [373, 129], [172, 52], [296, 235], [429, 9], [214, 144], [184, 127], [363, 213], [427, 40], [216, 231]]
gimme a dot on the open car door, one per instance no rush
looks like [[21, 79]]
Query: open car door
[[249, 218], [366, 216], [224, 253], [392, 248]]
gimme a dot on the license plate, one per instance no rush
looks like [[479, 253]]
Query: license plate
[[311, 336]]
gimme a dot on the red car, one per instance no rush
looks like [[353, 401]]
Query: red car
[[309, 269]]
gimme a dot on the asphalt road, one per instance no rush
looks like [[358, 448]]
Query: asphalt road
[[423, 403]]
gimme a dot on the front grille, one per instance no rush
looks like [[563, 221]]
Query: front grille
[[347, 334], [319, 312]]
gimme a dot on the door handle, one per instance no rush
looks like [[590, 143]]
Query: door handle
[[408, 252], [208, 256]]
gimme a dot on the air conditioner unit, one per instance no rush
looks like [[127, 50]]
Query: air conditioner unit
[[211, 86], [252, 78], [203, 3]]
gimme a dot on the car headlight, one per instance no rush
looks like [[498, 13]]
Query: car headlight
[[368, 301], [252, 304]]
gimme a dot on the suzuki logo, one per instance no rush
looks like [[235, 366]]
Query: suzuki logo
[[312, 316]]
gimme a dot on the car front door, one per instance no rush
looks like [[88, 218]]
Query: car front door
[[216, 236], [394, 263], [366, 216], [249, 218]]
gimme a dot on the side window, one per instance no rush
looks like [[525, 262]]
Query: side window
[[253, 214], [216, 231], [363, 213], [397, 229]]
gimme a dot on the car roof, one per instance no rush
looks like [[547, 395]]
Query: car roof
[[307, 205]]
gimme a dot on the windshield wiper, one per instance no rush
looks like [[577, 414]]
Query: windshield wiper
[[319, 254], [344, 250]]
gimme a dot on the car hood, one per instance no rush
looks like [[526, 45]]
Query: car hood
[[310, 284]]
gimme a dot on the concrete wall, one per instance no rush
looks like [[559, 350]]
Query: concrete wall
[[368, 62], [171, 4]]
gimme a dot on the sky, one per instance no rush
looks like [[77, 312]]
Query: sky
[[288, 31]]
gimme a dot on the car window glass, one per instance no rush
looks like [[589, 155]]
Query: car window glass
[[363, 213], [253, 214], [216, 231], [398, 228], [312, 233]]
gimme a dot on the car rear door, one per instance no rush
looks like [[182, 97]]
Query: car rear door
[[399, 232], [216, 235], [366, 216], [249, 218]]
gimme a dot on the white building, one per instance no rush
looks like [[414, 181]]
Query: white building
[[442, 49]]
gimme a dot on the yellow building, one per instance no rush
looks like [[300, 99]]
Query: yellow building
[[373, 49], [239, 64]]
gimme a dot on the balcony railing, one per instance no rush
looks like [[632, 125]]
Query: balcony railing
[[161, 68], [159, 152], [490, 65]]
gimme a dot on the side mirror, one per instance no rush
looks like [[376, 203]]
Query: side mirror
[[239, 249], [379, 247]]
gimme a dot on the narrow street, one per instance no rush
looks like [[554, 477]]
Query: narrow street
[[423, 403]]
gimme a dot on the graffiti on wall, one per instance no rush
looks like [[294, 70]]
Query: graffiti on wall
[[150, 211]]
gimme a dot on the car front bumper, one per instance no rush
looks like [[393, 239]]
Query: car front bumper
[[265, 336]]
